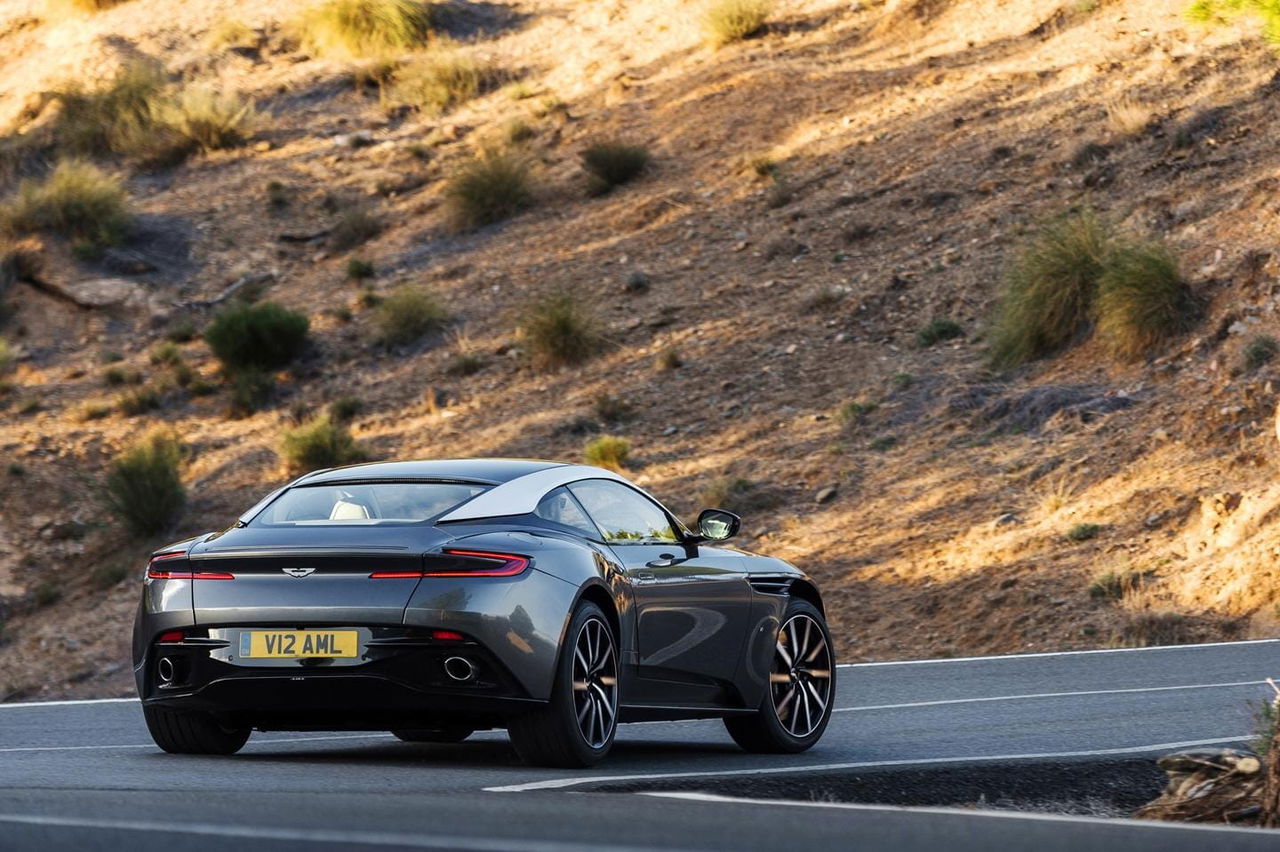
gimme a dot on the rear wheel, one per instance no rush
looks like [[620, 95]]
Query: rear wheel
[[802, 687], [577, 726], [190, 732], [445, 734]]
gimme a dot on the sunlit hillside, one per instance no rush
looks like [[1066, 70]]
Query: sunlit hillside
[[761, 306]]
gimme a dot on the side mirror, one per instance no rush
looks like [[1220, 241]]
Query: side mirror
[[718, 525]]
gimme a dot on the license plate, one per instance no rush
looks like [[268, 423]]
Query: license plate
[[294, 644]]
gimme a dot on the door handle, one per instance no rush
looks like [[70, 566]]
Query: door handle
[[643, 575]]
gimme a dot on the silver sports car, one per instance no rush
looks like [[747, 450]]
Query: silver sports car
[[435, 598]]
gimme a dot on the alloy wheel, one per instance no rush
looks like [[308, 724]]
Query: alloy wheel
[[801, 677], [595, 683]]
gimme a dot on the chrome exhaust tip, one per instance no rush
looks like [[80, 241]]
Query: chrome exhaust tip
[[460, 669], [166, 670]]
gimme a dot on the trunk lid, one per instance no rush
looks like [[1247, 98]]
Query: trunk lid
[[322, 578]]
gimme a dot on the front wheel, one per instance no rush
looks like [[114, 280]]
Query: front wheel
[[802, 687], [577, 725], [192, 732]]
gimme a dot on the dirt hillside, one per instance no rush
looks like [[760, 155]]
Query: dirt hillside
[[816, 195]]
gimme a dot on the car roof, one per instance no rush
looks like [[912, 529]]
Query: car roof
[[491, 471]]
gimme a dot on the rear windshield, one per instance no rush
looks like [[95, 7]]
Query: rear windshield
[[365, 504]]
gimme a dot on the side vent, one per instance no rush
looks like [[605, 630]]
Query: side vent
[[770, 585]]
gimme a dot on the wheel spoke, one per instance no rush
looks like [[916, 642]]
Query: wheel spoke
[[784, 654], [784, 705], [580, 685], [582, 712], [822, 705], [821, 646], [819, 674], [777, 677]]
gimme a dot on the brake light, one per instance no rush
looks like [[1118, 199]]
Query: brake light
[[154, 573], [492, 565], [171, 636], [447, 635]]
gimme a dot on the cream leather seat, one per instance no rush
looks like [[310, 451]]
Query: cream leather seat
[[345, 510]]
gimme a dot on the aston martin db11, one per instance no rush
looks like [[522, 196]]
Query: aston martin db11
[[432, 599]]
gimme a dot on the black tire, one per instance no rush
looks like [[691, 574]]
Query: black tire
[[444, 734], [777, 727], [179, 732], [554, 735]]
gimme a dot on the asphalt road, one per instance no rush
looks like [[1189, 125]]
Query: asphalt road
[[84, 775]]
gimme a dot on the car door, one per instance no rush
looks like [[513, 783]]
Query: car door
[[692, 601]]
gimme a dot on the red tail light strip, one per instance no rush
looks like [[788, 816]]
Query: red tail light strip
[[153, 574], [510, 565]]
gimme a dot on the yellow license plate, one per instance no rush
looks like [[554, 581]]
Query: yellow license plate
[[290, 644]]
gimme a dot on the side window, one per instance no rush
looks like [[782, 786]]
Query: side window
[[624, 516], [559, 508]]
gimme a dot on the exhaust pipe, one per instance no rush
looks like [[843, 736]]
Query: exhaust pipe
[[166, 670], [460, 669]]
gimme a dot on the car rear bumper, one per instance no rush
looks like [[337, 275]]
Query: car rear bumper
[[402, 684]]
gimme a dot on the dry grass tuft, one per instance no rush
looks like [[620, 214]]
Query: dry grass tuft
[[1049, 289], [560, 330], [355, 227], [408, 315], [362, 28], [1128, 116], [206, 119], [116, 117], [727, 21], [738, 495], [494, 186], [442, 80], [1142, 300], [76, 200], [611, 164], [607, 451]]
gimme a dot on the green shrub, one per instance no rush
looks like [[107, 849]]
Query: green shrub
[[726, 21], [611, 164], [441, 81], [883, 443], [1049, 289], [6, 356], [1142, 299], [264, 336], [115, 117], [94, 410], [320, 443], [409, 314], [48, 593], [360, 270], [205, 119], [937, 331], [143, 486], [358, 28], [116, 376], [354, 227], [560, 330], [1084, 532], [1261, 349], [111, 573], [608, 451], [250, 390], [345, 408], [77, 200], [1265, 722], [1218, 12], [493, 187]]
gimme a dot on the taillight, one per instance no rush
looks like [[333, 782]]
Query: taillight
[[447, 636], [171, 636], [154, 573], [485, 564]]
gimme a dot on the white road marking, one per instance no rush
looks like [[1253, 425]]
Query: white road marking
[[252, 742], [1034, 695], [19, 705], [561, 783], [347, 838], [967, 812], [1042, 654]]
